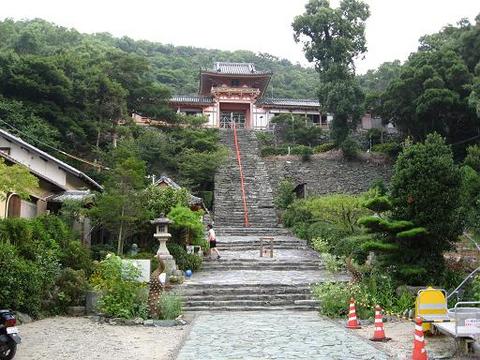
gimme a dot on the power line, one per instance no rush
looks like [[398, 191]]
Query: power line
[[55, 149]]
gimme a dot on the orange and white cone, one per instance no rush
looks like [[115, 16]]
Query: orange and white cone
[[379, 332], [419, 351], [352, 322]]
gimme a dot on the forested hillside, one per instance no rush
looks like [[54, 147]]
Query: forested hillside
[[174, 66], [70, 89]]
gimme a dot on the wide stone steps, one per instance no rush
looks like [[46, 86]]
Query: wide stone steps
[[248, 303], [241, 289], [256, 297], [250, 231], [253, 308], [262, 266]]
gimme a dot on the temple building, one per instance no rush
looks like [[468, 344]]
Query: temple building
[[235, 92]]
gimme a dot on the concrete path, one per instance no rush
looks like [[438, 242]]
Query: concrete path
[[273, 335]]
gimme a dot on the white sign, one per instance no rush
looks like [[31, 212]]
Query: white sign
[[143, 265], [472, 322]]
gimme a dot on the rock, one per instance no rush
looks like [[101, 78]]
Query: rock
[[23, 318], [91, 300], [138, 321], [164, 323], [148, 322], [129, 322]]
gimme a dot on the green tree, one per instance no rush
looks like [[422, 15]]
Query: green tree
[[332, 38], [119, 208], [160, 200], [424, 218], [17, 179]]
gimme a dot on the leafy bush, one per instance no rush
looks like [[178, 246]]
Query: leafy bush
[[374, 135], [121, 294], [188, 223], [323, 148], [392, 149], [332, 263], [170, 306], [302, 150], [285, 196], [320, 245], [71, 286], [350, 148], [21, 282], [184, 260], [332, 234], [265, 138], [160, 200], [374, 289]]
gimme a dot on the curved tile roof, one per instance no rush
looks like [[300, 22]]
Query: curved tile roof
[[236, 68], [289, 102]]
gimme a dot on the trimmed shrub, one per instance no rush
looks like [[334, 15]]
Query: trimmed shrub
[[350, 148], [323, 148], [184, 260], [391, 149]]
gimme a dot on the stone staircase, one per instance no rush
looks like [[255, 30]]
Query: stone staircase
[[241, 280], [237, 297], [228, 204]]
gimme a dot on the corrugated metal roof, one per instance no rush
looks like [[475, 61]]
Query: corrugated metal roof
[[236, 68], [289, 102], [196, 99]]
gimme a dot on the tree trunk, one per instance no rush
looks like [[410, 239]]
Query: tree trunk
[[120, 235]]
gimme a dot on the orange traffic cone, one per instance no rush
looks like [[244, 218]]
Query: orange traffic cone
[[419, 351], [379, 332], [352, 322]]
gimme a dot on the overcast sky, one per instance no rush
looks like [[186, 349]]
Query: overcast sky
[[258, 25]]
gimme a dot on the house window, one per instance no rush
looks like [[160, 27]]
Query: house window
[[192, 113], [235, 82], [314, 118], [324, 119]]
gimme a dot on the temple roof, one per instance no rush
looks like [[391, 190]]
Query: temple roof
[[289, 102], [237, 68], [223, 73]]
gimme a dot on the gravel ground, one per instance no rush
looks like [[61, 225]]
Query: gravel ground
[[69, 338], [401, 345]]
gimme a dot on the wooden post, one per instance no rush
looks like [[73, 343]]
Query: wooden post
[[263, 244], [271, 247], [261, 247]]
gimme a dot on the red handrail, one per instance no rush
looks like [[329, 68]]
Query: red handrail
[[242, 184]]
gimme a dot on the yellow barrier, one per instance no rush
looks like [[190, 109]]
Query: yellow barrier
[[431, 306]]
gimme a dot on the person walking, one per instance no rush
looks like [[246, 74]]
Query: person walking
[[212, 239]]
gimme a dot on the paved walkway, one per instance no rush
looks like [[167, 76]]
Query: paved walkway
[[273, 335]]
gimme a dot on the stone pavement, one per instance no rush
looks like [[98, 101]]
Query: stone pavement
[[273, 335]]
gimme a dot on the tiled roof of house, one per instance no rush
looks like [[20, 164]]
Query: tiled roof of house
[[75, 195], [60, 164], [289, 102], [236, 68], [194, 99]]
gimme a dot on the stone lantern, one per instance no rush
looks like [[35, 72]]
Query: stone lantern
[[162, 235]]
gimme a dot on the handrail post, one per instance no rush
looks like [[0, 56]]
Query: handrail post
[[242, 184]]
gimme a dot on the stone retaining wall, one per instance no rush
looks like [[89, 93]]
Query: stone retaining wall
[[327, 175]]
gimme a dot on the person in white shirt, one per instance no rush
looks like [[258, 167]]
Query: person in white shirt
[[212, 239]]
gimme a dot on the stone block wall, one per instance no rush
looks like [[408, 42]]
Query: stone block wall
[[326, 175]]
